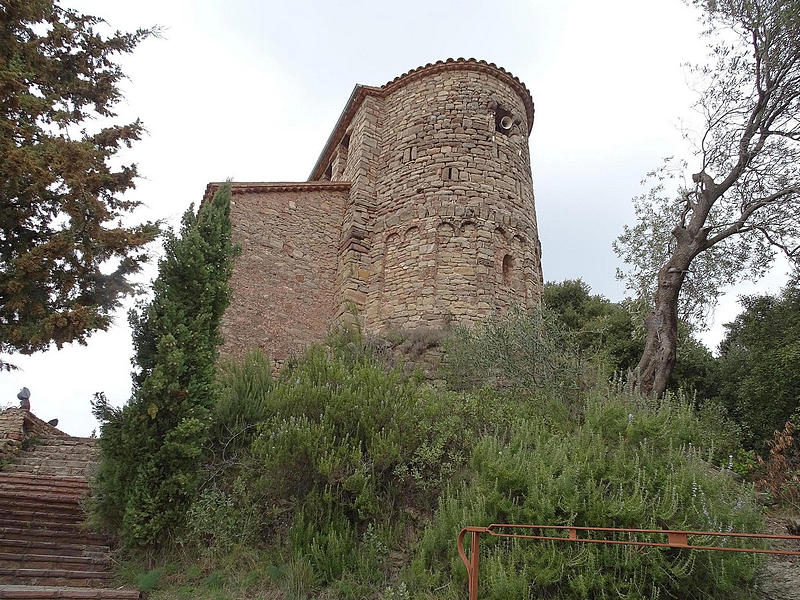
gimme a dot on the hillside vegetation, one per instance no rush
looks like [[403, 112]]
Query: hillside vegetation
[[341, 477]]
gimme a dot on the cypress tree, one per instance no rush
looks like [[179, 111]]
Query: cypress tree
[[152, 447]]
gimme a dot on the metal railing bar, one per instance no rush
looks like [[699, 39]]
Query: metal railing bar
[[676, 538], [490, 530]]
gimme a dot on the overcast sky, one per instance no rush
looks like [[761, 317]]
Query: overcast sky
[[250, 89]]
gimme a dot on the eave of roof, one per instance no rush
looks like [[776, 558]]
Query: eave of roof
[[251, 187], [362, 91]]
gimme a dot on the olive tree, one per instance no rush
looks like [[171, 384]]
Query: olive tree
[[726, 213]]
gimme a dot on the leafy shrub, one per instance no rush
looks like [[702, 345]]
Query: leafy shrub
[[216, 522], [344, 451], [744, 462], [760, 365], [241, 404], [351, 478], [147, 582], [630, 464], [522, 350]]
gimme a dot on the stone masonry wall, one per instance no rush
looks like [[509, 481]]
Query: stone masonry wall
[[284, 281], [360, 168], [419, 212], [454, 233], [17, 424]]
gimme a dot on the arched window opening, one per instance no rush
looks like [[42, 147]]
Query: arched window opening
[[508, 269]]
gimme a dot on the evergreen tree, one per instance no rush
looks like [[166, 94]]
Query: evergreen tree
[[760, 363], [152, 447], [65, 255]]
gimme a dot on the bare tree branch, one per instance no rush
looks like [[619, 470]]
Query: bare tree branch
[[746, 194]]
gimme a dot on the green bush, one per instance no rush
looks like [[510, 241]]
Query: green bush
[[519, 351], [152, 448], [344, 454], [630, 464], [244, 385], [350, 478], [760, 365]]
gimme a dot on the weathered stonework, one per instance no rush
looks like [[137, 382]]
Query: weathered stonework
[[18, 424], [420, 211]]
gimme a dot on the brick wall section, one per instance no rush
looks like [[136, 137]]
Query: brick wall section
[[17, 424], [284, 281], [428, 216]]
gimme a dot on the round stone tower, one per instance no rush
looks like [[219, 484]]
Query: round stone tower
[[441, 224]]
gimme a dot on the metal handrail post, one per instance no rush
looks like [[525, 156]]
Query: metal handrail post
[[473, 561]]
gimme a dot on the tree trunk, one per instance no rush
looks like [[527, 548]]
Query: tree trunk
[[658, 359]]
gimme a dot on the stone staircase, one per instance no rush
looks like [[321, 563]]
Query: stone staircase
[[45, 549]]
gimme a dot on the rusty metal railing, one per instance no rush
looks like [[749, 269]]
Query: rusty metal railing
[[675, 539]]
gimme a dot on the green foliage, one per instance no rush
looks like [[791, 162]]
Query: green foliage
[[344, 457], [151, 449], [241, 403], [348, 457], [601, 327], [346, 448], [744, 462], [346, 478], [760, 364], [725, 217], [629, 464], [66, 257], [522, 351], [609, 331], [147, 582]]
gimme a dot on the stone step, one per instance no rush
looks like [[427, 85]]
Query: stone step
[[52, 535], [55, 456], [26, 488], [60, 460], [50, 548], [33, 465], [38, 513], [50, 470], [55, 577], [57, 451], [25, 592], [61, 442], [53, 443], [54, 499], [45, 549], [42, 513], [64, 440], [59, 482], [28, 524], [15, 560]]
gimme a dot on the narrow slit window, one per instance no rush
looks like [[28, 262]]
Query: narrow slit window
[[508, 269]]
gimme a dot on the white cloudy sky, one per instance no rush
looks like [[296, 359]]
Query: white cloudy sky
[[250, 89]]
